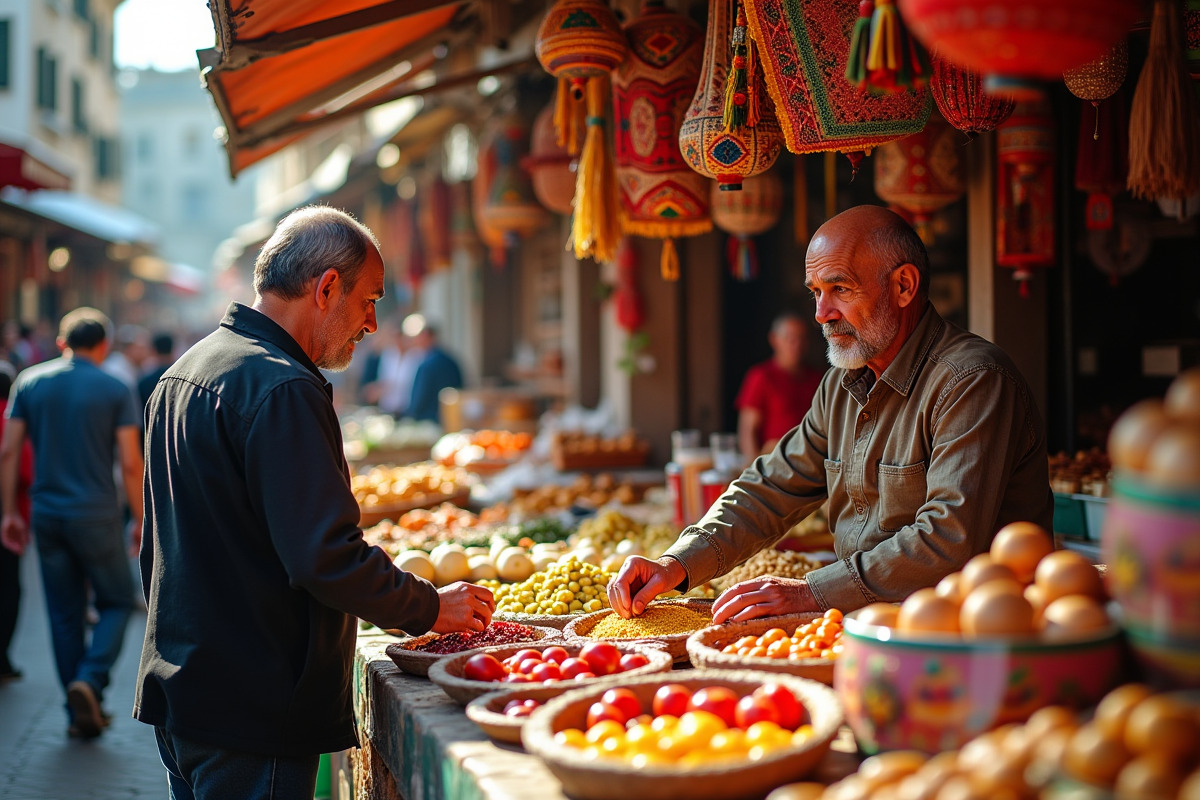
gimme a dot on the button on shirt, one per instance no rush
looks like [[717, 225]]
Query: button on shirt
[[921, 468]]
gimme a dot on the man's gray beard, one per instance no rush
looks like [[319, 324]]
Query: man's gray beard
[[869, 342]]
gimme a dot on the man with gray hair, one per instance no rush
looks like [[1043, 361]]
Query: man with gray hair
[[79, 420], [923, 438], [254, 562]]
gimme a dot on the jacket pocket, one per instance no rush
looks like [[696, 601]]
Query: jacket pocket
[[902, 492], [833, 476]]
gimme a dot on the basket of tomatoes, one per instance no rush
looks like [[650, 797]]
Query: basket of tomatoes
[[805, 645]]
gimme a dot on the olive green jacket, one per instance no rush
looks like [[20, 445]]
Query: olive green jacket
[[921, 468]]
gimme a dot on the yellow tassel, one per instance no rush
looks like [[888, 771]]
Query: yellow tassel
[[569, 115], [883, 52], [595, 225], [669, 263]]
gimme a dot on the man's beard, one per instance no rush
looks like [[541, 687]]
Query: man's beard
[[872, 339], [335, 352]]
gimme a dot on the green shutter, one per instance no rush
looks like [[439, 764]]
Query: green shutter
[[5, 54]]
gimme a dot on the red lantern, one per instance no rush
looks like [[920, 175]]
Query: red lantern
[[959, 95], [921, 174], [1025, 213], [433, 221], [745, 214], [510, 206], [549, 165], [1020, 38]]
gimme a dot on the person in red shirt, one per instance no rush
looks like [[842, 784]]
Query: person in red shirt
[[776, 394]]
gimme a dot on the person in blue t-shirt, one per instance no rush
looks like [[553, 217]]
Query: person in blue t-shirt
[[436, 371], [79, 419]]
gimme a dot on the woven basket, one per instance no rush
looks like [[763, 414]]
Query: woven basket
[[675, 643], [596, 779], [704, 648], [487, 710], [447, 672], [416, 662]]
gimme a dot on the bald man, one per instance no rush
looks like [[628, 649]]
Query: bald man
[[923, 437]]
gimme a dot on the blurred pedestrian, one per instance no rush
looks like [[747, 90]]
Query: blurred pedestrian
[[163, 347], [78, 418], [125, 357], [435, 371], [254, 563], [10, 561]]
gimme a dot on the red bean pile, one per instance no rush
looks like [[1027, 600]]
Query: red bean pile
[[495, 633]]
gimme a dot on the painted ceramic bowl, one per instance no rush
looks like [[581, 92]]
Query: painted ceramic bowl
[[1151, 544], [934, 693]]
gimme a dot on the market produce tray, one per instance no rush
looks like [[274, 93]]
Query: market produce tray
[[373, 515], [704, 648], [720, 780], [675, 643], [487, 710], [448, 672], [417, 662]]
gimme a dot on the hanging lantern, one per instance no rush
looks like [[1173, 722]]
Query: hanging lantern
[[1164, 122], [493, 238], [463, 235], [959, 95], [710, 145], [1025, 192], [580, 42], [884, 56], [661, 197], [549, 166], [1100, 79], [745, 214], [921, 174], [433, 220], [1011, 40], [1102, 162], [804, 48], [510, 206]]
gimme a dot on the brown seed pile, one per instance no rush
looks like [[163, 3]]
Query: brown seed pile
[[780, 563]]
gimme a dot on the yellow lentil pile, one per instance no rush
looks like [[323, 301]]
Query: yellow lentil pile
[[780, 563], [656, 621], [570, 586]]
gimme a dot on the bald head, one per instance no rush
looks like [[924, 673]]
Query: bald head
[[875, 236]]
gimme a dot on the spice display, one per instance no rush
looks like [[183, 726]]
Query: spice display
[[660, 620], [820, 638], [415, 483], [779, 563], [495, 633], [570, 586]]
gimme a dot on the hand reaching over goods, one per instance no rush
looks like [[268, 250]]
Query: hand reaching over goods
[[658, 620], [690, 729], [569, 587], [552, 664], [780, 563], [820, 638], [763, 597], [463, 607], [494, 633], [642, 580]]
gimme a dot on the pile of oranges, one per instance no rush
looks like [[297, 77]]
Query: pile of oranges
[[820, 638]]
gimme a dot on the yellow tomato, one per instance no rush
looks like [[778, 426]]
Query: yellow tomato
[[605, 729], [571, 737]]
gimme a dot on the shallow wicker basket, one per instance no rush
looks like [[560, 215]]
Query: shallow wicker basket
[[487, 710], [416, 662], [596, 779], [704, 648], [675, 643], [448, 672]]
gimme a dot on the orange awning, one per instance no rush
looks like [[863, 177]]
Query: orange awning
[[283, 67]]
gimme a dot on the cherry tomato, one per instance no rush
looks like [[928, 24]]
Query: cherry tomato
[[625, 700], [716, 700], [751, 709], [555, 654], [790, 711], [583, 676], [518, 711], [641, 719], [572, 667], [633, 661], [483, 667], [516, 677], [671, 699], [527, 666], [602, 711], [527, 652], [546, 671], [603, 658]]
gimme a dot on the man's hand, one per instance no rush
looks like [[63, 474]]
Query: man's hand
[[640, 581], [135, 538], [763, 597], [14, 533], [464, 607]]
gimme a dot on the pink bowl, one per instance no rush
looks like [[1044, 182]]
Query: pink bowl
[[935, 693]]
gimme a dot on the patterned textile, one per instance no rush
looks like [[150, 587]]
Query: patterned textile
[[660, 195], [805, 47]]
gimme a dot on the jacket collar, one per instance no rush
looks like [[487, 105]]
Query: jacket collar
[[245, 320], [902, 372]]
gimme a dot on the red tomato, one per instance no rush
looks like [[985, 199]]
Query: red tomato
[[583, 676], [603, 658], [555, 654], [717, 700], [527, 665], [601, 711], [546, 671], [483, 667], [790, 711], [527, 652], [751, 709], [516, 677], [633, 661], [625, 700], [572, 667], [518, 711], [672, 699]]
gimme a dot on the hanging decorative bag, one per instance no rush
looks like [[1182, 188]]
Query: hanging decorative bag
[[746, 214]]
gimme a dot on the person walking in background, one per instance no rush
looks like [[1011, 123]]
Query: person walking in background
[[10, 560], [254, 565], [124, 360], [777, 393], [78, 419], [163, 347], [435, 371]]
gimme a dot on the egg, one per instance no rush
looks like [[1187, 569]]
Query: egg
[[981, 569], [1150, 775], [1072, 617], [1020, 546], [1065, 572], [1162, 724], [1037, 599], [882, 614], [1113, 709], [1051, 718], [885, 768], [997, 608], [1134, 432], [1182, 400], [1092, 756], [926, 782], [1174, 459], [1190, 790], [927, 612], [950, 587], [798, 791], [961, 787]]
